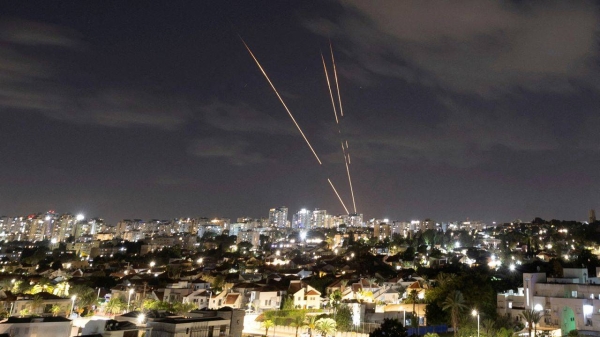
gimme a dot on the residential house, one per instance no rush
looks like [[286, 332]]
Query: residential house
[[36, 326], [570, 302], [304, 296], [199, 297], [266, 298], [39, 303]]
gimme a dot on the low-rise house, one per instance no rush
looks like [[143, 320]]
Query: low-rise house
[[223, 322], [39, 304], [266, 298], [112, 328], [36, 326], [304, 296], [570, 302], [199, 297], [225, 299]]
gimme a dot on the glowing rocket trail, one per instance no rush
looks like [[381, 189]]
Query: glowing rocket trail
[[292, 117], [344, 152], [283, 103], [346, 161], [336, 79], [338, 195], [330, 92]]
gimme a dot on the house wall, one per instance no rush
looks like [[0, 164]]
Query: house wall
[[37, 329]]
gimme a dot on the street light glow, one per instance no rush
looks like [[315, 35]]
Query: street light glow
[[80, 217]]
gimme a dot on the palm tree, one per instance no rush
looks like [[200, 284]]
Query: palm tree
[[115, 305], [413, 297], [36, 303], [532, 317], [182, 308], [334, 299], [267, 324], [371, 281], [489, 326], [343, 284], [86, 296], [326, 326], [298, 320], [455, 302], [55, 309], [62, 289], [311, 323]]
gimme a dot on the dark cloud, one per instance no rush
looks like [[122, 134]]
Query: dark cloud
[[472, 46], [243, 118], [35, 77], [231, 150]]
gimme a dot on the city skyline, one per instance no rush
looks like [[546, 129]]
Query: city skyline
[[157, 111]]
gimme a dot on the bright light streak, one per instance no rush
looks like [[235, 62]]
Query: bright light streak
[[338, 195], [281, 100], [336, 80], [349, 179], [330, 92]]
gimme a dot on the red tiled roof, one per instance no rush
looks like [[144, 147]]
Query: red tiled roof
[[231, 298]]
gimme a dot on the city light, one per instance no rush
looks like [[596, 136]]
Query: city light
[[476, 313], [80, 217], [73, 303]]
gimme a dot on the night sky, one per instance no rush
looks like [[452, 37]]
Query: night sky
[[475, 109]]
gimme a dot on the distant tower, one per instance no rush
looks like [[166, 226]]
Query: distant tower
[[592, 215], [278, 217]]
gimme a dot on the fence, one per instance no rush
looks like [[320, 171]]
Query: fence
[[427, 329]]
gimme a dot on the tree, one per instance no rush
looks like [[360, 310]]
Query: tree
[[267, 324], [343, 319], [489, 327], [182, 308], [55, 309], [455, 303], [36, 303], [326, 326], [343, 284], [413, 297], [532, 317], [62, 289], [311, 324], [115, 305], [334, 300], [298, 318], [86, 296], [390, 328]]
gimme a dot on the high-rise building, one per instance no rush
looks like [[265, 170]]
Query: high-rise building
[[278, 217], [319, 218], [302, 219], [353, 219]]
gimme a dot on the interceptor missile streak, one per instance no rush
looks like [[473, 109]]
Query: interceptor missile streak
[[281, 100]]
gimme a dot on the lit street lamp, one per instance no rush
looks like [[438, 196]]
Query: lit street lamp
[[475, 313], [129, 299], [73, 303]]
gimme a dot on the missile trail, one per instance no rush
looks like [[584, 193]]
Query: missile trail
[[344, 150], [336, 79], [346, 161], [292, 117], [338, 195], [330, 92], [283, 103]]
